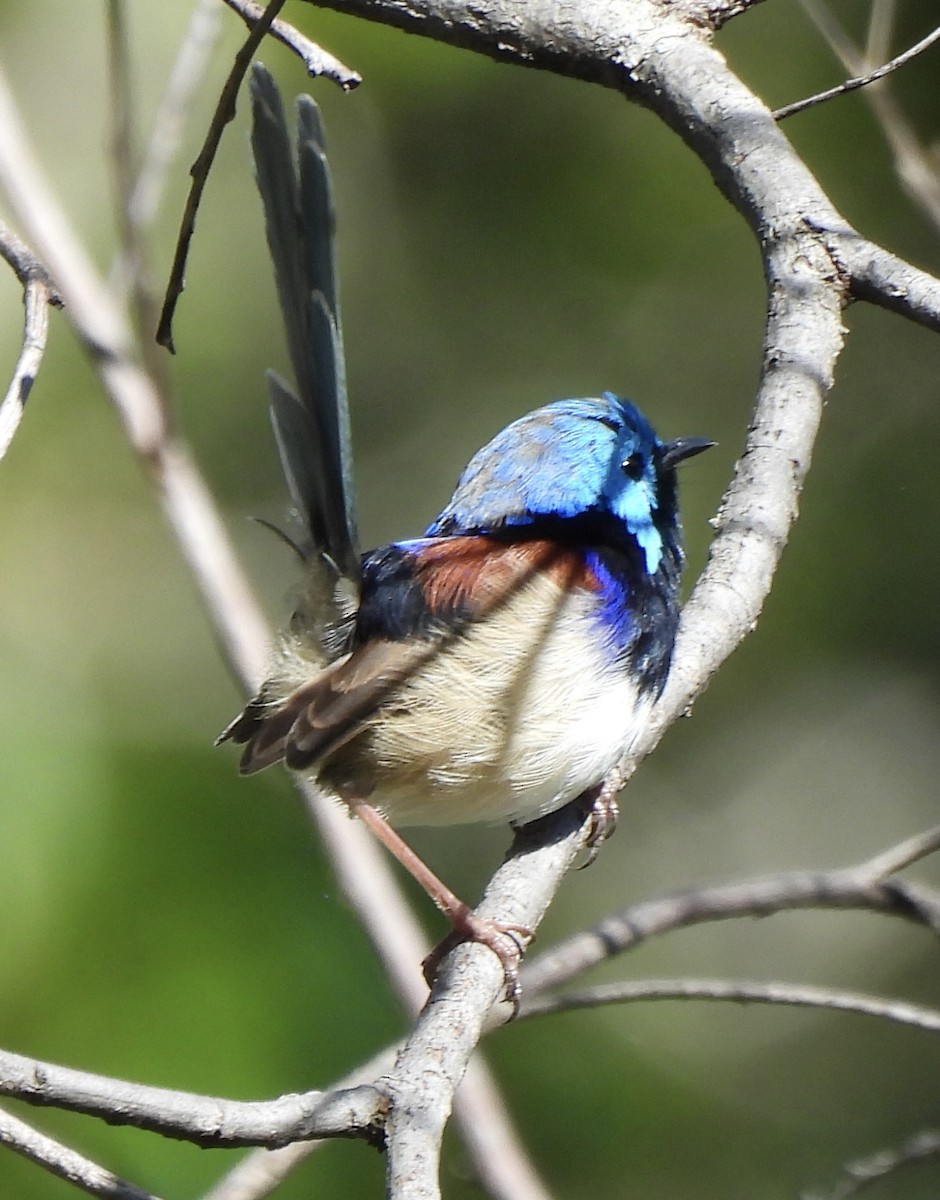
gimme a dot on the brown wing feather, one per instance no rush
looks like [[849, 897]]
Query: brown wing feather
[[321, 715]]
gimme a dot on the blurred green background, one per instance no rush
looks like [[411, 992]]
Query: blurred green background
[[506, 238]]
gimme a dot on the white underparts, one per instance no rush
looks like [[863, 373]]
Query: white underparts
[[518, 715]]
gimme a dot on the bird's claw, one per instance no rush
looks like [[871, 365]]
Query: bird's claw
[[507, 941], [603, 821]]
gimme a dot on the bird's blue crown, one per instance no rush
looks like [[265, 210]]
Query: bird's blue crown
[[595, 456]]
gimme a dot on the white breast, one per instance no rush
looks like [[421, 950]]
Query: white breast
[[516, 717]]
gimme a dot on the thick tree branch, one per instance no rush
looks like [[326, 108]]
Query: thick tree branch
[[206, 1120], [471, 979], [262, 1171], [887, 281]]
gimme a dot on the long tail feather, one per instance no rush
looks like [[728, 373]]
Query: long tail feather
[[312, 425]]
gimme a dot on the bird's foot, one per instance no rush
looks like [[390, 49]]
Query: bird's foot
[[507, 941], [604, 812]]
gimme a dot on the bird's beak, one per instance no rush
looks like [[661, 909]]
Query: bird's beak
[[679, 450]]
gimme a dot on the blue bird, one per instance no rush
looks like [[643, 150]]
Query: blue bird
[[498, 667]]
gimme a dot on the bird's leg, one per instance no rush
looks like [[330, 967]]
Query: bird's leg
[[507, 941]]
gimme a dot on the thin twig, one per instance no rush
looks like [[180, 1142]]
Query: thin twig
[[67, 1164], [866, 1171], [224, 113], [740, 992], [26, 266], [38, 293], [319, 62], [912, 162], [671, 72], [859, 81], [36, 301], [862, 886], [904, 854]]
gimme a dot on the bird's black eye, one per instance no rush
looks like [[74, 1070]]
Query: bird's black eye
[[633, 465]]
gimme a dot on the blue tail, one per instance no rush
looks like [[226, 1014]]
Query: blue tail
[[311, 425]]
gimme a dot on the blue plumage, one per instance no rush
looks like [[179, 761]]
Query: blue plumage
[[569, 459]]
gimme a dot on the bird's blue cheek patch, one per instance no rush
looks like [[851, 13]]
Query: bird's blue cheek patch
[[633, 501], [651, 543], [633, 508]]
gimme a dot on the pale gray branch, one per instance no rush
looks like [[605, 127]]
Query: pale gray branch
[[36, 301], [904, 854], [26, 266], [883, 279], [881, 19], [199, 171], [39, 293], [470, 981], [866, 1171], [205, 1120], [261, 1172], [316, 60], [140, 189], [814, 263], [861, 887], [364, 876], [104, 333], [67, 1164], [739, 992]]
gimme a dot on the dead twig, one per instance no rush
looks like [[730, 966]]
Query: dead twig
[[224, 113]]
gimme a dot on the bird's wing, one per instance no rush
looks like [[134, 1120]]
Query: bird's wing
[[325, 713], [311, 425], [417, 597]]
